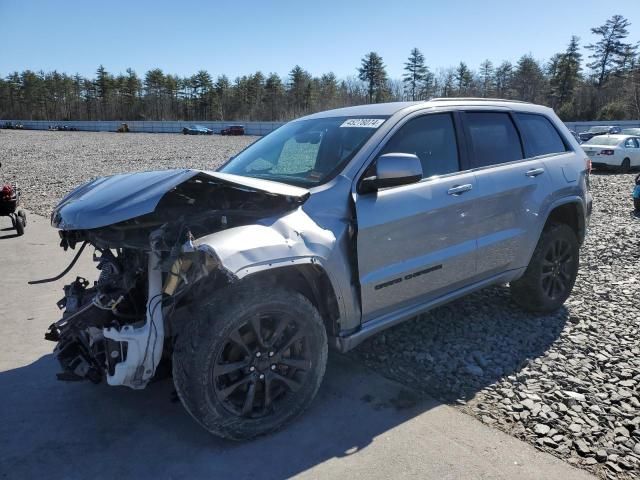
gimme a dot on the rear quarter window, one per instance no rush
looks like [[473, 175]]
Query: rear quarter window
[[539, 135]]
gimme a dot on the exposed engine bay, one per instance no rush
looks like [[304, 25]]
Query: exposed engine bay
[[150, 270]]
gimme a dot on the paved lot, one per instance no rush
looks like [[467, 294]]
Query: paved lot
[[360, 426]]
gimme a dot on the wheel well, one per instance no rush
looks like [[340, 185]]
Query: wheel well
[[312, 282], [569, 214]]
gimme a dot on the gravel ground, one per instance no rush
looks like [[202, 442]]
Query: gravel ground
[[568, 382], [47, 165]]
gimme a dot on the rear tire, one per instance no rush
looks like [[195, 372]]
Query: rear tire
[[250, 360], [23, 215], [19, 225], [551, 273], [625, 166]]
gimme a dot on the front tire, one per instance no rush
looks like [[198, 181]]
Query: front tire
[[551, 273], [250, 360]]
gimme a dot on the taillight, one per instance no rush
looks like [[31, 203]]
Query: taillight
[[606, 152], [587, 162]]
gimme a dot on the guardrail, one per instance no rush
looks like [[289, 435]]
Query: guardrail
[[251, 128]]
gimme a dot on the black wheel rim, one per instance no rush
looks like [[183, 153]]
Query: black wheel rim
[[557, 269], [262, 363]]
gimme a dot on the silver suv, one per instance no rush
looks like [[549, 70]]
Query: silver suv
[[325, 232]]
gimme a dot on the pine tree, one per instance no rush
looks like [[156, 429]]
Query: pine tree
[[131, 92], [464, 78], [372, 71], [274, 97], [328, 91], [104, 84], [416, 76], [610, 52], [632, 88], [502, 78], [528, 80], [222, 89], [298, 80], [154, 83], [564, 73], [486, 78]]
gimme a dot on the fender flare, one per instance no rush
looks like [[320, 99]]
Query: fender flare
[[249, 250], [581, 216]]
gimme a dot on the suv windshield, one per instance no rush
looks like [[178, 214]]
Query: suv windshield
[[307, 152]]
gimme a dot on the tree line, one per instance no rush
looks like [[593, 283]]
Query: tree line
[[603, 86]]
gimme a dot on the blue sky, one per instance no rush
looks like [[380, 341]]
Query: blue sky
[[240, 37]]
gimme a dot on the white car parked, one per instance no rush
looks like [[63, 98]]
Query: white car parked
[[618, 151]]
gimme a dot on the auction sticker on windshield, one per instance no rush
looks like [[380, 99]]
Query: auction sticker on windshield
[[363, 122]]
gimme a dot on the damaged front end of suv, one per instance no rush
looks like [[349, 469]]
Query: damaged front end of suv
[[238, 279], [152, 235]]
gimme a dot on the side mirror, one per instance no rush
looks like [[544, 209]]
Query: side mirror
[[393, 169]]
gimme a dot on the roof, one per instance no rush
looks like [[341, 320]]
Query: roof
[[385, 109], [388, 109]]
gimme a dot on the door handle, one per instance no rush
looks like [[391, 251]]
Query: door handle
[[535, 172], [459, 189]]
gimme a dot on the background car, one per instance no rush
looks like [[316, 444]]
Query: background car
[[197, 130], [233, 130], [631, 131], [62, 128], [618, 151], [575, 135], [599, 130]]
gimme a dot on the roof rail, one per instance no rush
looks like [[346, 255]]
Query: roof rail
[[478, 99]]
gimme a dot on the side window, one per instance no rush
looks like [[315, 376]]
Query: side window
[[432, 138], [631, 143], [539, 135], [494, 138]]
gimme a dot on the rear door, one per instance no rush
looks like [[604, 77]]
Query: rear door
[[513, 185], [416, 242]]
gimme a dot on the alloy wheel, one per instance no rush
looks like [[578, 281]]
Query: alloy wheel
[[557, 268], [261, 364]]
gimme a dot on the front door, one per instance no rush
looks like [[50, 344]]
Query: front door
[[416, 242]]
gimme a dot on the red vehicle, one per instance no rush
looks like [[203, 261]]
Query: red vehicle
[[233, 130], [9, 202]]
